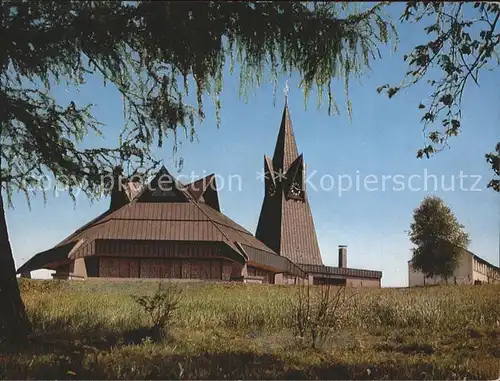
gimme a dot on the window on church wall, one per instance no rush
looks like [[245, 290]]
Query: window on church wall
[[186, 269], [109, 267], [175, 269], [123, 268], [164, 187], [195, 270], [216, 269], [205, 269], [146, 268], [134, 268]]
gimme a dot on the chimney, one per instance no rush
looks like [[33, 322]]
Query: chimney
[[342, 255], [115, 186]]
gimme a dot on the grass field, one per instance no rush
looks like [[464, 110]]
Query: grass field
[[84, 330]]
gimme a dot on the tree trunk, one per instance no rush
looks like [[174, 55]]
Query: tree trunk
[[14, 323]]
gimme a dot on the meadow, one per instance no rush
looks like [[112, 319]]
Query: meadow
[[95, 330]]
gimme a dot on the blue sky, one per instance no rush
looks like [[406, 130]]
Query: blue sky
[[381, 140]]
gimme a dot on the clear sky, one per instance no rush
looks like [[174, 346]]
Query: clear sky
[[381, 140]]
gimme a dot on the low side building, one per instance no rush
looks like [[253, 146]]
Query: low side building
[[471, 269]]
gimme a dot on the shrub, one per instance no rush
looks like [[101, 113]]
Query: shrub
[[160, 308], [315, 316]]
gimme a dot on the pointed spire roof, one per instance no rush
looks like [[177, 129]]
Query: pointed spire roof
[[286, 150], [286, 224]]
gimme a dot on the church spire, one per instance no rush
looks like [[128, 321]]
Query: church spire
[[286, 150], [285, 223]]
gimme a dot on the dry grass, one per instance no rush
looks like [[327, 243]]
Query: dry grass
[[86, 330]]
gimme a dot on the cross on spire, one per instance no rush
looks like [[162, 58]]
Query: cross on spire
[[285, 90]]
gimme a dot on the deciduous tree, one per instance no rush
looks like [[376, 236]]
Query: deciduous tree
[[493, 158], [439, 239]]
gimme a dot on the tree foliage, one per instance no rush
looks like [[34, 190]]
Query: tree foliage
[[463, 41], [493, 158], [160, 308], [439, 238], [155, 54]]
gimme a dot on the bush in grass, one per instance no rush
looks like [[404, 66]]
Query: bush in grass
[[316, 315], [160, 307]]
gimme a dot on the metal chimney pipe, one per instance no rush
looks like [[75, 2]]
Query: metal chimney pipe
[[342, 255]]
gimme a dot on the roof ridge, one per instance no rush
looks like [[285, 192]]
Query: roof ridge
[[224, 223], [154, 219], [94, 222], [216, 224], [210, 177]]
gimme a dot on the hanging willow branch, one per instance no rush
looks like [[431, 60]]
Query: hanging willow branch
[[156, 54]]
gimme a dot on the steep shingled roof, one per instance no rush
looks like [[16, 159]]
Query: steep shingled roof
[[178, 213], [286, 224]]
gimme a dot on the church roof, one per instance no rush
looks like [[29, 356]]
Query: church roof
[[285, 151], [179, 213], [286, 224]]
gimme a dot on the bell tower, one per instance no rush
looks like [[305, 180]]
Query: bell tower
[[286, 224]]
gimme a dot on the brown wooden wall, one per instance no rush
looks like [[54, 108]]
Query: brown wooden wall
[[290, 279], [268, 276], [215, 269]]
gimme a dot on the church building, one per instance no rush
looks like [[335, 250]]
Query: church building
[[166, 229]]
